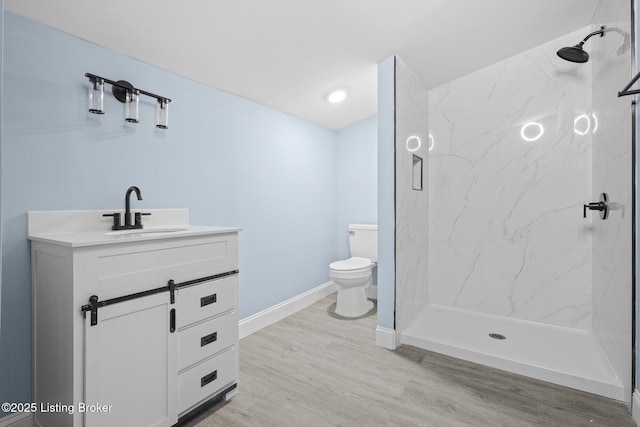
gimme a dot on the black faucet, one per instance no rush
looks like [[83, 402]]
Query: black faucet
[[128, 224], [127, 206]]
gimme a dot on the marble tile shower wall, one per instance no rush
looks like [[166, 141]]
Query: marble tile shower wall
[[509, 170], [612, 173], [412, 206]]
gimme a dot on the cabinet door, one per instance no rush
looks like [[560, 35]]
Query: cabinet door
[[131, 365]]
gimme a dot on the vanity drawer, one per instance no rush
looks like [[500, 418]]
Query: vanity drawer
[[200, 341], [118, 270], [198, 302], [206, 379]]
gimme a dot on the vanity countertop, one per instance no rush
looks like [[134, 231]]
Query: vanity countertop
[[90, 228]]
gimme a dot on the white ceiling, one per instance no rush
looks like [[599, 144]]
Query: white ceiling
[[287, 54]]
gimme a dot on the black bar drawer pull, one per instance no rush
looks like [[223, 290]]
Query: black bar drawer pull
[[210, 299], [208, 378], [208, 339], [172, 320]]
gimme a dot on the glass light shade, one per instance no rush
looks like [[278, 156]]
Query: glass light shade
[[162, 114], [96, 96], [131, 106]]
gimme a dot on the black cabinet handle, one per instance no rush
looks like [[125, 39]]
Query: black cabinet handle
[[210, 299], [172, 291], [208, 378], [93, 300], [208, 339], [172, 320]]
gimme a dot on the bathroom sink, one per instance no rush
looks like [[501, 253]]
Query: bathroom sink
[[149, 230]]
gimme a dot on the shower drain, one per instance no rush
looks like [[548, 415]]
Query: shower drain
[[497, 336]]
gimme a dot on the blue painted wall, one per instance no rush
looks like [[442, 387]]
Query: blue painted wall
[[357, 178], [229, 160], [386, 193]]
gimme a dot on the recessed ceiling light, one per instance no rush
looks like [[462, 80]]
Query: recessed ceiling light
[[337, 96]]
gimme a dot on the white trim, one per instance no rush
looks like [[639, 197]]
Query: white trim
[[22, 419], [635, 406], [271, 315], [387, 338]]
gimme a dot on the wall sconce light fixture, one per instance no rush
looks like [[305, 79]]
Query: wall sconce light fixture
[[124, 92], [162, 114], [131, 106], [96, 95]]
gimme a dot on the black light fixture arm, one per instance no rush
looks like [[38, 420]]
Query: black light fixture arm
[[127, 88]]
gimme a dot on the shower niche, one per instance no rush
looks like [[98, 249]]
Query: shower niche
[[416, 175]]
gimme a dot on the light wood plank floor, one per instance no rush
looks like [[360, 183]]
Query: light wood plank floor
[[314, 369]]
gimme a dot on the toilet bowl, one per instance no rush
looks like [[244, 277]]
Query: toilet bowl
[[353, 277]]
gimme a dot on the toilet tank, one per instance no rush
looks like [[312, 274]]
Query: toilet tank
[[363, 241]]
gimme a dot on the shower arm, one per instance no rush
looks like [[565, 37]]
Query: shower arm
[[601, 31]]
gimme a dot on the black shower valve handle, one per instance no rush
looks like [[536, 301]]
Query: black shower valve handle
[[594, 206], [602, 206]]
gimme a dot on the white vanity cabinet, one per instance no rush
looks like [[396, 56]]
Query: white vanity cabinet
[[160, 339]]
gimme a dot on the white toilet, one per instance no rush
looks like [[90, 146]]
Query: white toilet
[[353, 275]]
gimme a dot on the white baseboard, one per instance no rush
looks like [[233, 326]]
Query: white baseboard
[[635, 406], [387, 338], [271, 315], [22, 419]]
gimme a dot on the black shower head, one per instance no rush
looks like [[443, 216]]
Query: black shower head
[[574, 53]]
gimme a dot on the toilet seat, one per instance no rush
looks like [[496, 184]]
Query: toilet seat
[[351, 264]]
